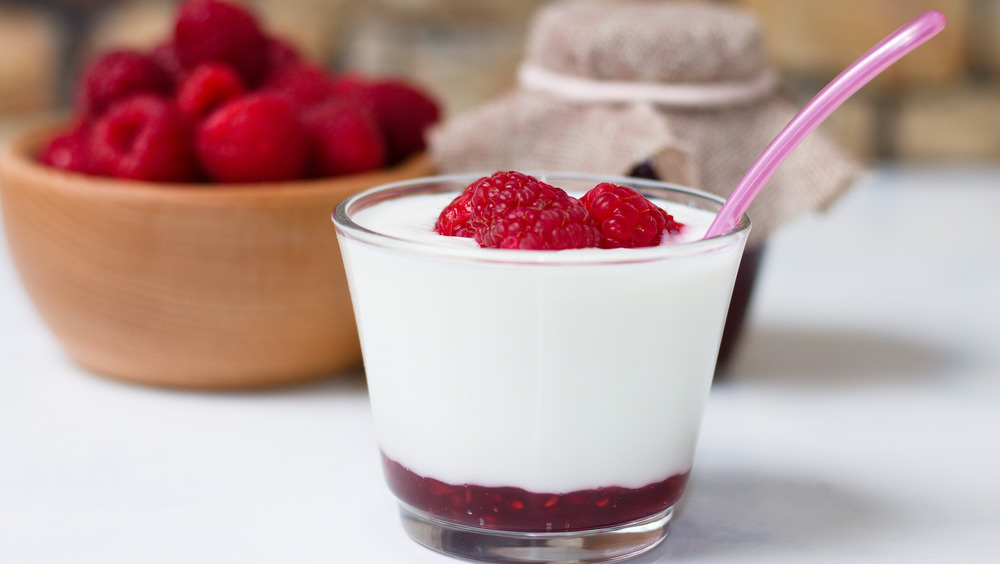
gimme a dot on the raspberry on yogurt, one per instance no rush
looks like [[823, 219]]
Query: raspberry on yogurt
[[626, 218], [513, 210]]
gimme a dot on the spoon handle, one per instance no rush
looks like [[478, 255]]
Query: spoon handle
[[859, 73]]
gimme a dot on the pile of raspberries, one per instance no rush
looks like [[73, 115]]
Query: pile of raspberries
[[222, 101], [513, 210]]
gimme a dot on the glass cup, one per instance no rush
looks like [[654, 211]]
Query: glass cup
[[535, 406]]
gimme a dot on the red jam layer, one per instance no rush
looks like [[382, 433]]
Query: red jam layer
[[516, 509]]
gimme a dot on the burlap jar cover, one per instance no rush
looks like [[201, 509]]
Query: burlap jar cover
[[607, 86]]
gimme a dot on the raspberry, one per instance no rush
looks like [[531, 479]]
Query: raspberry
[[626, 218], [206, 88], [356, 90], [117, 75], [454, 220], [343, 140], [404, 114], [352, 86], [70, 151], [144, 138], [304, 85], [253, 138], [165, 55], [212, 31], [278, 54], [503, 191], [557, 226], [511, 210]]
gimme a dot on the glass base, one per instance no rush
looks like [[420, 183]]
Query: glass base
[[609, 544]]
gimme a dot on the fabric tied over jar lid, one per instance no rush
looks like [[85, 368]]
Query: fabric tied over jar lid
[[678, 54], [682, 87]]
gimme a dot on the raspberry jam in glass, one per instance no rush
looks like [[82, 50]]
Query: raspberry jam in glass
[[516, 509]]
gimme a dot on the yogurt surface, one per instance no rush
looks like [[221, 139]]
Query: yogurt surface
[[547, 377], [413, 219]]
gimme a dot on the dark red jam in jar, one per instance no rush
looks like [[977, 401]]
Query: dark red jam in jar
[[516, 509], [746, 276]]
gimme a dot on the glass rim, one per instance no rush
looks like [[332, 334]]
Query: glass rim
[[346, 226]]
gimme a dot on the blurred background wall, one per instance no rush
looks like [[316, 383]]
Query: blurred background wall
[[940, 104]]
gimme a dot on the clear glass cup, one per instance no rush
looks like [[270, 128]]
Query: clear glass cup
[[536, 406]]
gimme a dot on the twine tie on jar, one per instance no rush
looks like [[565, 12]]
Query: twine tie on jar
[[679, 95]]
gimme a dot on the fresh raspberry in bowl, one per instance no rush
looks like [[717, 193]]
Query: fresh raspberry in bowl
[[165, 55], [207, 87], [342, 140], [279, 54], [404, 113], [70, 150], [305, 85], [210, 31], [144, 138], [220, 58], [253, 138], [117, 75]]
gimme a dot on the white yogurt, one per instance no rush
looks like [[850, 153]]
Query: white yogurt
[[556, 373]]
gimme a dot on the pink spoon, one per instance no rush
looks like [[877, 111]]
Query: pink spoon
[[861, 71]]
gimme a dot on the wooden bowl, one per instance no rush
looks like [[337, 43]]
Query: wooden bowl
[[194, 286]]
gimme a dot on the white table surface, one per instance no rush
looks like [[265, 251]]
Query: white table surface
[[860, 423]]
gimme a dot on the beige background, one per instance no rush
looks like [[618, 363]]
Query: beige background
[[941, 103]]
